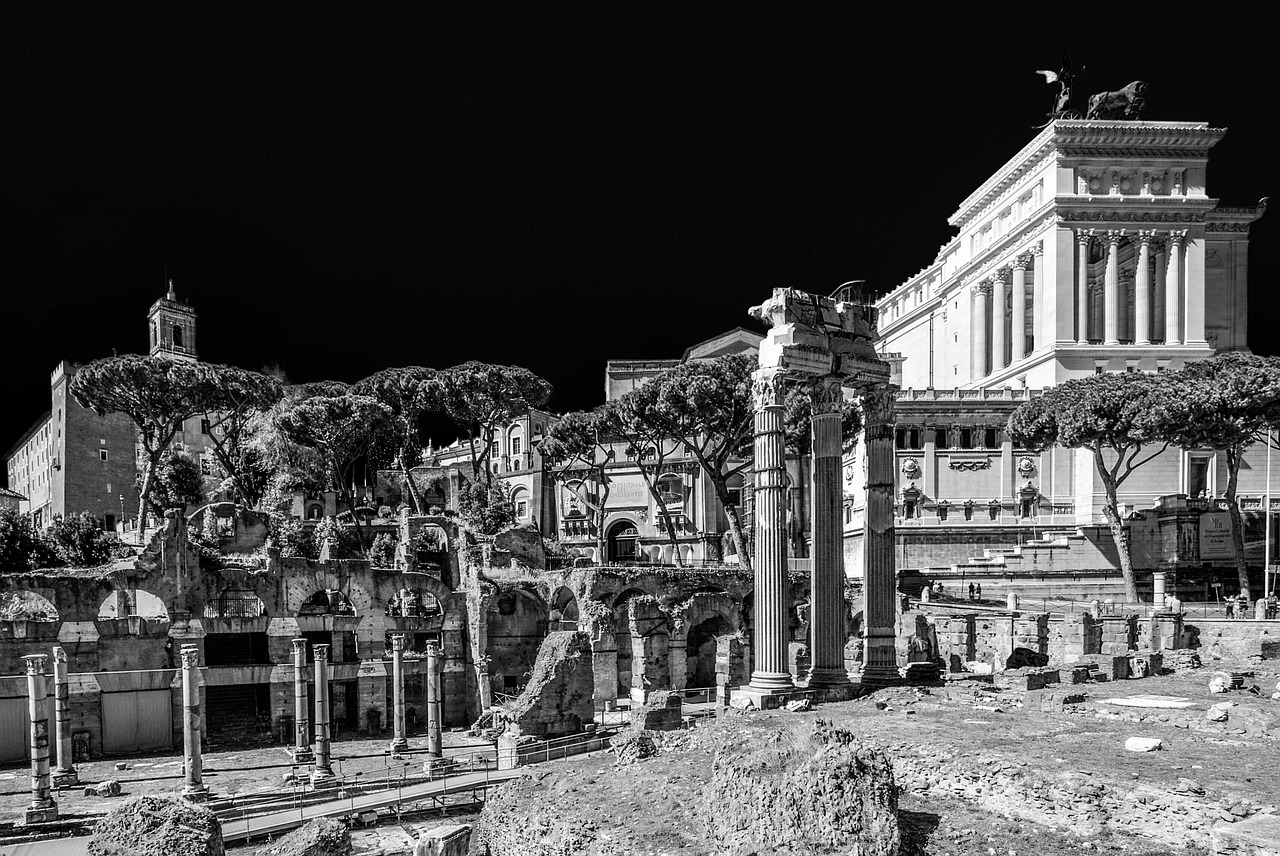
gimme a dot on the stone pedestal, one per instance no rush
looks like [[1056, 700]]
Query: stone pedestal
[[399, 742], [193, 787], [434, 747], [880, 577], [42, 808], [322, 772], [771, 674], [1157, 590], [826, 576], [64, 776], [302, 753]]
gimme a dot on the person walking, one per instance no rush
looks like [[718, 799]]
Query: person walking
[[970, 591]]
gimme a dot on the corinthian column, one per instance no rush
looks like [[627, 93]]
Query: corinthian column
[[65, 775], [771, 673], [1173, 289], [193, 787], [301, 715], [826, 575], [322, 769], [1157, 292], [1038, 298], [1018, 331], [981, 324], [1111, 290], [998, 298], [880, 578], [1142, 290], [42, 807], [399, 742], [1083, 237]]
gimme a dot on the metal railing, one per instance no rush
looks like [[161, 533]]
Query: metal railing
[[1145, 610]]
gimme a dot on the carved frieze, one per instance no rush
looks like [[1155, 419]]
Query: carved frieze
[[1131, 217], [969, 465], [768, 388]]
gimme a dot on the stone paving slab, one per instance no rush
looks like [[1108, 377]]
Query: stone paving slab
[[1159, 701]]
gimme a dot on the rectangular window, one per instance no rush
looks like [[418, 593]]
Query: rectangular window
[[991, 440], [522, 508], [515, 446], [102, 454], [940, 438], [204, 426], [966, 438], [1198, 466]]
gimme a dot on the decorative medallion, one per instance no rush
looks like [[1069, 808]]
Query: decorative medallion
[[1026, 467], [911, 468]]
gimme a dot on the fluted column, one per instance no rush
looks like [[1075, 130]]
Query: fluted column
[[434, 721], [1142, 290], [1111, 290], [880, 578], [1018, 328], [302, 753], [826, 575], [981, 324], [999, 296], [193, 787], [1083, 237], [771, 672], [1157, 293], [399, 742], [1193, 290], [65, 775], [1173, 289], [43, 807], [1038, 298], [323, 768], [1126, 304]]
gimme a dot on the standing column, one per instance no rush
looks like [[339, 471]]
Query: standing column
[[1193, 290], [399, 742], [1173, 290], [65, 775], [1126, 305], [434, 747], [1038, 297], [302, 753], [771, 673], [999, 296], [880, 578], [1157, 294], [322, 770], [1018, 333], [1142, 290], [1083, 237], [981, 324], [826, 575], [193, 787], [42, 808], [1111, 290]]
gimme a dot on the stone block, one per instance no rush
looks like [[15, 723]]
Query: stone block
[[1256, 836], [1118, 668], [558, 700], [662, 712]]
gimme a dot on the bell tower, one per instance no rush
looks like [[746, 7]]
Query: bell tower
[[172, 327]]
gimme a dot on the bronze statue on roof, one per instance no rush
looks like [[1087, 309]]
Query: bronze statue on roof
[[1065, 74]]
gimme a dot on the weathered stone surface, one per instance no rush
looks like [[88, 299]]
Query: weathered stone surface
[[633, 746], [558, 698], [1257, 836], [523, 544], [805, 784], [1143, 744], [157, 826], [109, 788], [321, 837], [661, 713]]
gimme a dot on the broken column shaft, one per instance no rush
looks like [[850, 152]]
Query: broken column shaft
[[323, 770], [771, 673], [399, 741], [880, 591], [826, 575], [42, 808], [302, 753], [65, 774], [193, 786], [434, 749]]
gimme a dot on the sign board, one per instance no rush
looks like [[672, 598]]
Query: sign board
[[628, 493], [1215, 536]]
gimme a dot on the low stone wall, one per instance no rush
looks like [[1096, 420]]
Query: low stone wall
[[1232, 638]]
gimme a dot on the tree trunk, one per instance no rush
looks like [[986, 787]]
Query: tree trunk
[[1237, 520], [1111, 509], [144, 496], [735, 523], [415, 498], [662, 511]]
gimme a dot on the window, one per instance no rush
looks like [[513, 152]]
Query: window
[[515, 446], [1199, 474], [522, 508], [177, 336], [940, 438], [966, 438], [102, 454], [990, 438], [494, 449], [204, 426]]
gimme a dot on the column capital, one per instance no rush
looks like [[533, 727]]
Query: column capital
[[299, 646], [983, 288], [1084, 236], [1037, 249], [397, 642], [1115, 236], [190, 657], [1177, 236], [1021, 262], [35, 663], [826, 395], [1146, 236], [321, 651], [1000, 276], [768, 388], [59, 654]]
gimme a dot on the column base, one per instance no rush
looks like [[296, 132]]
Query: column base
[[65, 778], [827, 677], [398, 746], [322, 777], [437, 766], [44, 814], [770, 699], [771, 681], [195, 793], [879, 676], [303, 756]]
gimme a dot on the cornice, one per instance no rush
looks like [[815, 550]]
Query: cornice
[[1234, 218]]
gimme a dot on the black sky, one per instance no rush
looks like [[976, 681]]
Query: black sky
[[345, 191]]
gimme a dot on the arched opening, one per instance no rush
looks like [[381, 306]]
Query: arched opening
[[517, 623], [702, 648], [133, 604], [315, 511], [26, 606], [520, 503], [235, 603], [413, 603], [327, 602], [564, 610], [671, 490], [177, 336], [623, 541]]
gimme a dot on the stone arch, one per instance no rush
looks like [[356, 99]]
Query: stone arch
[[702, 647], [413, 603], [659, 555], [131, 603], [235, 603], [622, 540], [314, 510], [520, 502], [516, 622], [564, 609], [622, 636], [327, 601], [28, 605]]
